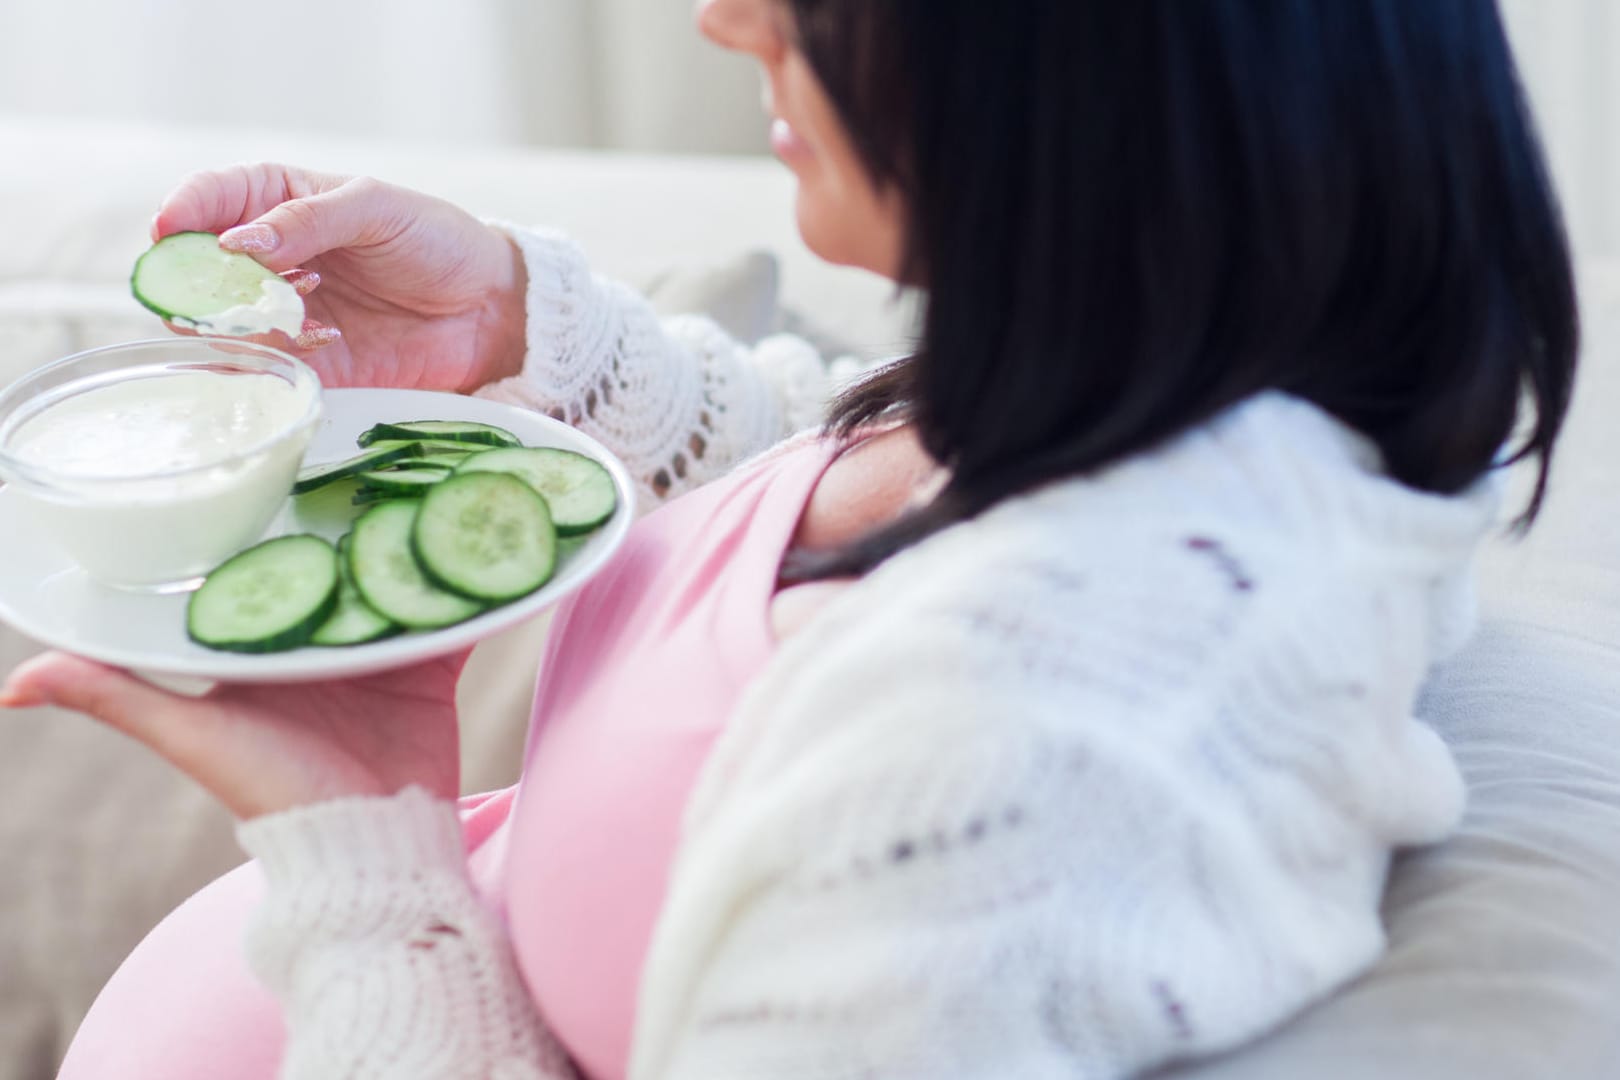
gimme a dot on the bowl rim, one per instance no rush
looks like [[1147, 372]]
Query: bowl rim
[[32, 474]]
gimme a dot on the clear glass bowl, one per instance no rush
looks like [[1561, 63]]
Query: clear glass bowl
[[160, 526]]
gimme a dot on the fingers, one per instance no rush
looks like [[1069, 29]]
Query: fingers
[[314, 335], [155, 717], [216, 200], [303, 282], [317, 335], [281, 216], [356, 214]]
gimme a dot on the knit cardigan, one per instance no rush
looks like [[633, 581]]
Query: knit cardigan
[[1106, 777]]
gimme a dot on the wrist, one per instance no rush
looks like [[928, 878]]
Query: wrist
[[503, 323]]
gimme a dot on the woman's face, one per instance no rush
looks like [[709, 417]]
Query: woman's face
[[842, 216]]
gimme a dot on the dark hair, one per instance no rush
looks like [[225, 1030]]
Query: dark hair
[[1128, 216]]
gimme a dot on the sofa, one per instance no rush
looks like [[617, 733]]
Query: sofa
[[1504, 958]]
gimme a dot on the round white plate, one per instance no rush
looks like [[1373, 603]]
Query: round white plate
[[44, 594]]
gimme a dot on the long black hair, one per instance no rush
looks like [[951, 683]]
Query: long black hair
[[1128, 215]]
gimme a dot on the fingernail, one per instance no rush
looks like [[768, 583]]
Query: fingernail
[[152, 229], [315, 336], [11, 699], [255, 239], [303, 282]]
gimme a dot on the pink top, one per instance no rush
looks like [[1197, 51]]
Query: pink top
[[643, 668]]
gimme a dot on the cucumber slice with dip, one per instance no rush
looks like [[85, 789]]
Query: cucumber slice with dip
[[191, 281]]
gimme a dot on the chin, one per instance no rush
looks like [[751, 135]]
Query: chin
[[820, 228], [835, 235]]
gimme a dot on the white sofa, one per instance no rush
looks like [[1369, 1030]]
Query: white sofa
[[1504, 959]]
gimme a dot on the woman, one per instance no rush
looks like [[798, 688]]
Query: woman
[[1048, 712]]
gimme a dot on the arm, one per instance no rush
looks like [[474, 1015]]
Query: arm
[[388, 962], [678, 400]]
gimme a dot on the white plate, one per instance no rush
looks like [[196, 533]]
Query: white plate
[[44, 594]]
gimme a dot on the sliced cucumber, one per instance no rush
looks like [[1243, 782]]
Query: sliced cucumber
[[433, 459], [268, 598], [318, 476], [353, 621], [403, 482], [485, 535], [458, 431], [371, 497], [577, 490], [388, 577], [189, 279], [427, 447]]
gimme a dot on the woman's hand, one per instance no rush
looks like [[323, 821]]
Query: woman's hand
[[262, 749], [403, 290]]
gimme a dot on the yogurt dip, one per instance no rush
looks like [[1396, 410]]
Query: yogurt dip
[[279, 307], [153, 475]]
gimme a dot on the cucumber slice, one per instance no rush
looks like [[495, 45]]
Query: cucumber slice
[[266, 599], [189, 279], [404, 482], [433, 459], [318, 476], [387, 576], [485, 535], [578, 491], [371, 496], [456, 431], [353, 621], [427, 447]]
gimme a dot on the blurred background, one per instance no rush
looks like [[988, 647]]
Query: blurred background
[[611, 74]]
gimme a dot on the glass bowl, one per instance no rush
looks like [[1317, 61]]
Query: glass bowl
[[154, 461]]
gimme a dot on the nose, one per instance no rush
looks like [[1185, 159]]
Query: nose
[[740, 25]]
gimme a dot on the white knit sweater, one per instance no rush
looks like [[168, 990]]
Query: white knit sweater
[[1108, 776]]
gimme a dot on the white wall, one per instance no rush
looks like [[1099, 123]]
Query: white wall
[[597, 73], [1569, 54], [615, 73]]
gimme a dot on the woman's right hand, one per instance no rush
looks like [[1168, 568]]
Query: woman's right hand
[[408, 290]]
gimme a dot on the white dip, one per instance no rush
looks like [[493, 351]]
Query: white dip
[[161, 475], [142, 427], [279, 307]]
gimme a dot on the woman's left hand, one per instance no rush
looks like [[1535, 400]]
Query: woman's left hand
[[265, 748]]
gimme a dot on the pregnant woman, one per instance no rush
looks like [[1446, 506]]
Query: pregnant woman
[[1044, 709]]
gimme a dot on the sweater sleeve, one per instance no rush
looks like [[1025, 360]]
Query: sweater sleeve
[[383, 956], [678, 400]]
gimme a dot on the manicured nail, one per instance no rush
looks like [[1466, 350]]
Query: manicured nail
[[254, 239], [316, 336], [303, 282]]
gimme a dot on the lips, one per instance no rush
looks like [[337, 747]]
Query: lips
[[787, 144]]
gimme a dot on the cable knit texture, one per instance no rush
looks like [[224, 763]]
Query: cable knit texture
[[400, 972], [1107, 777], [677, 400]]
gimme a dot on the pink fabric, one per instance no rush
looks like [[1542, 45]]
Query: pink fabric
[[642, 668]]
